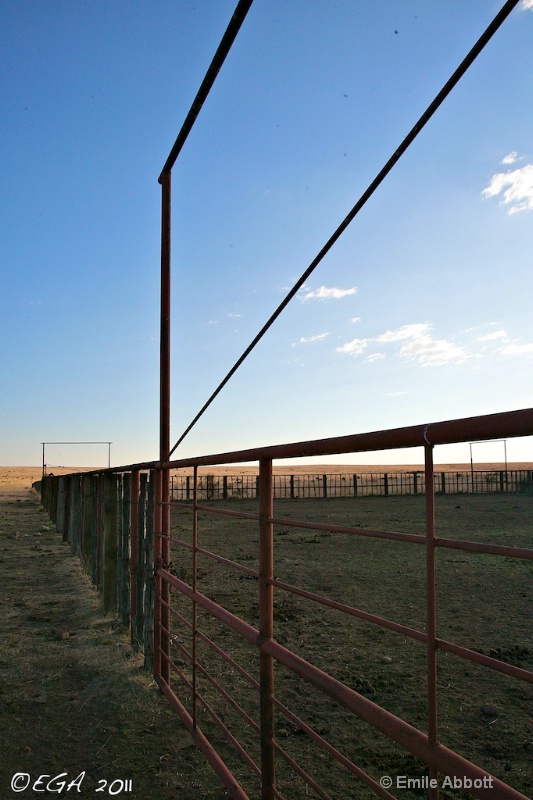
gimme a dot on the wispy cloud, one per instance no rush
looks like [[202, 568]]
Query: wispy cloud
[[306, 339], [515, 349], [491, 337], [516, 188], [431, 352], [326, 293], [353, 320], [405, 332], [510, 158], [526, 5], [355, 347], [417, 345], [234, 316]]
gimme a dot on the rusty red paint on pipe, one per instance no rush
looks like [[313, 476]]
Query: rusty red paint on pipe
[[228, 562], [219, 612], [491, 426], [506, 425], [320, 526], [404, 630], [229, 660], [486, 661], [194, 604], [441, 758], [227, 697], [235, 790], [266, 627], [431, 615], [336, 754], [157, 549], [302, 773], [481, 547], [226, 731]]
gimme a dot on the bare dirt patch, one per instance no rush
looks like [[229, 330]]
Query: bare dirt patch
[[484, 603], [74, 696]]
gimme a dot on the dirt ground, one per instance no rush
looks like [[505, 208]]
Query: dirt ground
[[75, 698], [483, 603]]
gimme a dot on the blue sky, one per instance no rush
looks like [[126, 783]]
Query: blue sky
[[421, 312]]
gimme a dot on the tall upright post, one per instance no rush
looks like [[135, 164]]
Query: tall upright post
[[431, 610], [134, 551], [164, 410], [266, 627]]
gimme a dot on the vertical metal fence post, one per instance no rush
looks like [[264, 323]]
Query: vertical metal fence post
[[162, 499], [431, 610], [266, 627], [165, 561], [157, 564], [195, 589]]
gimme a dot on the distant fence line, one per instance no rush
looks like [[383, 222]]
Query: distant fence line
[[330, 485]]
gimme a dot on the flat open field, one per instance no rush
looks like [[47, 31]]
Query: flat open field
[[485, 603], [75, 697], [23, 477]]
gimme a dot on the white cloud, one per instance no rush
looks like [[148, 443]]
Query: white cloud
[[418, 345], [212, 322], [353, 320], [355, 347], [515, 186], [432, 352], [526, 5], [511, 157], [490, 337], [234, 315], [305, 339], [405, 332], [516, 349], [326, 292]]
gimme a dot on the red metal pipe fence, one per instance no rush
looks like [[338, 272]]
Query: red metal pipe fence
[[200, 640]]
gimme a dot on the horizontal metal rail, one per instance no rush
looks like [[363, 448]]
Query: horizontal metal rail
[[505, 425]]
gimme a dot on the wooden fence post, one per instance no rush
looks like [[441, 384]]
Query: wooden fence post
[[87, 521], [109, 548], [134, 552], [123, 562], [61, 501]]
